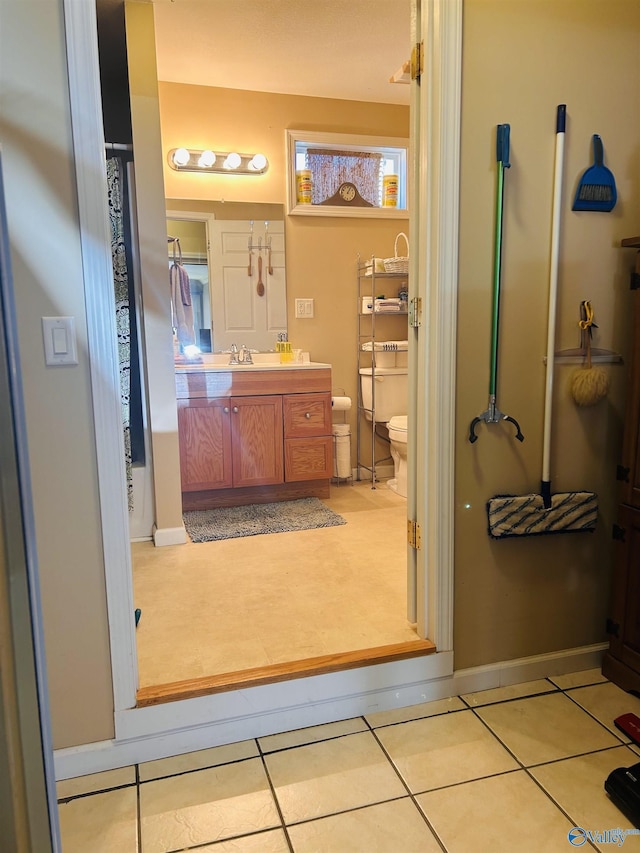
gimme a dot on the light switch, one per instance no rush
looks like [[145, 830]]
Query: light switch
[[59, 334], [60, 346]]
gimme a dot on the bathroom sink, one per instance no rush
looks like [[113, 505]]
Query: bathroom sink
[[261, 361], [220, 360]]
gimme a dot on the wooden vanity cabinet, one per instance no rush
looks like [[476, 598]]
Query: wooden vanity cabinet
[[240, 442], [621, 663]]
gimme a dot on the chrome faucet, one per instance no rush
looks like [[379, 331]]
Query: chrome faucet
[[233, 357], [245, 355]]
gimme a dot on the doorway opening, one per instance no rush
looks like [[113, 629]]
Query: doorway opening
[[405, 546]]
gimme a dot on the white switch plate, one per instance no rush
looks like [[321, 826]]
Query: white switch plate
[[59, 334], [304, 309]]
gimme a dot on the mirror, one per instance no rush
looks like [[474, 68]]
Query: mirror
[[234, 256]]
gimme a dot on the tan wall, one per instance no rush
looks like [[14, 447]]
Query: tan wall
[[192, 237], [321, 252], [521, 59], [47, 271]]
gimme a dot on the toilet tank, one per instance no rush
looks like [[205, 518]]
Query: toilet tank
[[391, 392]]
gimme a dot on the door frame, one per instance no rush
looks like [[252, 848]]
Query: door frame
[[438, 23]]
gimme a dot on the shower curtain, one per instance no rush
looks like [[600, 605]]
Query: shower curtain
[[115, 178]]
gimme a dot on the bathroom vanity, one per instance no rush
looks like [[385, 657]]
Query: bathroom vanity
[[253, 433]]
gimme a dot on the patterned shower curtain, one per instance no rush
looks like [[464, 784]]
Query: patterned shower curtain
[[115, 172]]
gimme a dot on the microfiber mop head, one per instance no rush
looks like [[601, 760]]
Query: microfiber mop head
[[527, 515]]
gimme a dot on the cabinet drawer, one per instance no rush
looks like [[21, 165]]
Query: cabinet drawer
[[308, 458], [307, 415]]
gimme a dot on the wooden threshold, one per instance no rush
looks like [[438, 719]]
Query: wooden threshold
[[192, 688]]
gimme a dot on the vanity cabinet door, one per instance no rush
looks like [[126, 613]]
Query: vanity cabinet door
[[256, 440], [204, 432]]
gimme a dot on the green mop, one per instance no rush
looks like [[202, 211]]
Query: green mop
[[565, 512]]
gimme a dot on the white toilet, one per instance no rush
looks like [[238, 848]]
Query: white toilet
[[389, 406], [398, 437]]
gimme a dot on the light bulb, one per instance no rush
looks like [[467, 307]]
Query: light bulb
[[258, 162], [206, 159], [181, 156], [233, 161]]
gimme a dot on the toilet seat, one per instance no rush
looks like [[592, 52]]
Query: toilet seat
[[397, 427]]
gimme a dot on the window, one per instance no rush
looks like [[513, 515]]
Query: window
[[341, 175]]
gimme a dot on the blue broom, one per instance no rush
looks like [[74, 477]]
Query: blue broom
[[529, 515]]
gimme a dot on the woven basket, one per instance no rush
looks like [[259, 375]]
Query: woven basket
[[398, 263]]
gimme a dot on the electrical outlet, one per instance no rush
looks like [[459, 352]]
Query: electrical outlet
[[304, 309]]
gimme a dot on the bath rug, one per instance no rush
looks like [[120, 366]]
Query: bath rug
[[209, 525]]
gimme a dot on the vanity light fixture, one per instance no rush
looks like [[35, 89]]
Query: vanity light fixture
[[220, 162]]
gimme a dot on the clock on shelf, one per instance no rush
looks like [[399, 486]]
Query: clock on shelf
[[347, 195]]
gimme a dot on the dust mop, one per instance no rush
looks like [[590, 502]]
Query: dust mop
[[565, 512]]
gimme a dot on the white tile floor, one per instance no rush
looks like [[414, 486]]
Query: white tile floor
[[511, 769]]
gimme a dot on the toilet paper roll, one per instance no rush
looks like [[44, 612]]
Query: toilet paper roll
[[341, 404]]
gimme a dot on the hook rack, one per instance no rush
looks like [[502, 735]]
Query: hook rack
[[258, 247], [253, 247], [579, 354]]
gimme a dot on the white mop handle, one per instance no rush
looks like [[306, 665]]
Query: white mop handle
[[553, 290]]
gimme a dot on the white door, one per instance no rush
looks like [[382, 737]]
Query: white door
[[242, 311]]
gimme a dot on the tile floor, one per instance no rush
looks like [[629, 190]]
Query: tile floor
[[293, 595], [510, 769]]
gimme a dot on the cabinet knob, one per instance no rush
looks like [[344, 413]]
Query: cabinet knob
[[226, 410], [235, 410], [307, 415]]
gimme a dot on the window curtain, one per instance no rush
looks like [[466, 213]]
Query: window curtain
[[115, 181], [330, 168]]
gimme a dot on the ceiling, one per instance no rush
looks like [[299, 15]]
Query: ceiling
[[345, 49]]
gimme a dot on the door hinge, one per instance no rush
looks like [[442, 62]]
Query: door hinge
[[417, 60], [618, 533], [613, 628], [415, 312], [414, 535], [622, 473]]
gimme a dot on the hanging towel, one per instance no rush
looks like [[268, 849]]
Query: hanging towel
[[181, 307]]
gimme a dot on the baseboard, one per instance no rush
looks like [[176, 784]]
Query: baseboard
[[519, 670], [146, 734], [169, 536]]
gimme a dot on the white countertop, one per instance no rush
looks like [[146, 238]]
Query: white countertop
[[208, 366]]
